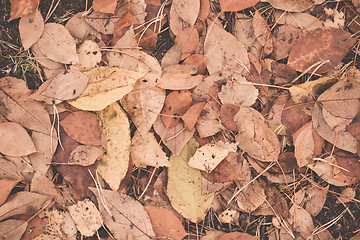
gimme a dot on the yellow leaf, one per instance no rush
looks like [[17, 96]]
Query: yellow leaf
[[184, 185], [116, 129], [106, 86]]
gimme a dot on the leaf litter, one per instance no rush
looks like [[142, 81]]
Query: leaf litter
[[249, 117]]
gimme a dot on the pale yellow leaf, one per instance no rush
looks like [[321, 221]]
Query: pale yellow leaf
[[106, 85], [116, 130], [207, 157], [184, 186]]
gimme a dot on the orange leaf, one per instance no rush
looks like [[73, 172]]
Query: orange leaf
[[192, 115], [176, 104], [236, 5], [105, 6], [21, 8]]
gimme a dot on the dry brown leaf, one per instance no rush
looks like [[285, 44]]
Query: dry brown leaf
[[8, 170], [18, 142], [301, 221], [176, 104], [14, 87], [244, 30], [314, 199], [179, 77], [188, 39], [124, 215], [199, 61], [237, 236], [348, 161], [207, 157], [204, 10], [23, 203], [341, 100], [177, 24], [57, 44], [227, 113], [262, 33], [304, 145], [255, 136], [174, 138], [320, 45], [45, 61], [42, 185], [302, 20], [223, 51], [337, 123], [172, 56], [284, 37], [83, 127], [79, 28], [102, 22], [224, 172], [86, 217], [236, 5], [146, 151], [12, 229], [31, 28], [89, 55], [5, 188], [292, 5], [85, 155], [105, 6], [343, 139], [347, 195], [208, 123], [188, 10], [45, 146], [65, 86], [192, 115], [165, 223], [21, 8]]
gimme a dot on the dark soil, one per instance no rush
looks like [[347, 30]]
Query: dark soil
[[14, 62]]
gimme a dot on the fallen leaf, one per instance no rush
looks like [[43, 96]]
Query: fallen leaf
[[179, 77], [188, 10], [224, 172], [12, 229], [262, 33], [31, 28], [89, 55], [57, 44], [23, 203], [177, 24], [172, 56], [236, 5], [347, 195], [5, 188], [207, 157], [78, 27], [348, 161], [204, 10], [208, 123], [101, 22], [146, 151], [284, 37], [227, 114], [301, 221], [192, 115], [184, 185], [343, 139], [304, 145], [237, 236], [320, 45], [244, 30], [124, 215], [45, 61], [107, 6], [302, 20], [165, 223], [291, 5], [188, 39], [85, 155], [116, 130], [255, 136], [341, 98], [38, 227], [106, 86], [199, 61], [21, 8], [18, 142], [176, 104], [65, 86], [9, 171], [82, 127], [224, 52], [86, 217]]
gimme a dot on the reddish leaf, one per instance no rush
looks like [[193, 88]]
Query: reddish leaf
[[199, 61], [318, 45], [21, 8], [236, 5], [192, 115], [176, 104], [82, 127], [5, 188], [224, 172], [188, 39], [227, 113]]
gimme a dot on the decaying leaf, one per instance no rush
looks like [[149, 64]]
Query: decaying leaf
[[86, 217], [5, 188], [236, 5], [146, 151], [262, 33], [31, 28], [21, 8], [12, 229], [106, 85], [179, 77], [192, 115], [18, 142], [176, 104], [188, 10], [23, 203], [207, 157], [78, 27], [284, 37], [124, 215], [89, 55], [320, 45], [82, 127], [116, 129], [304, 145], [184, 185], [107, 6], [255, 136], [85, 155], [188, 39], [292, 5], [57, 44], [165, 223]]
